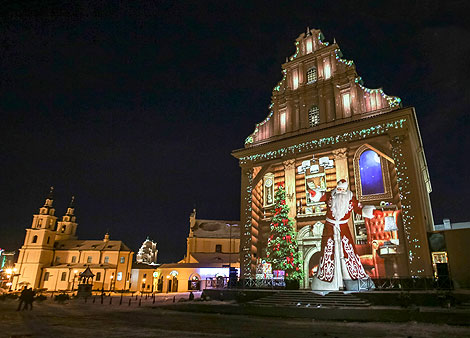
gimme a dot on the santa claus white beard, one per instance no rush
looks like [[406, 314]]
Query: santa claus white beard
[[340, 203]]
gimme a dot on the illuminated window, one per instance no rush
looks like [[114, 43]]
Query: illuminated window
[[295, 79], [309, 46], [123, 259], [63, 276], [311, 75], [314, 116], [48, 240], [106, 259], [35, 239], [370, 170], [89, 259], [346, 105], [74, 259], [218, 248], [98, 276], [46, 276], [283, 122], [119, 276], [327, 70]]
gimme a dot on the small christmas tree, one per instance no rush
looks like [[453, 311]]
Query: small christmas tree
[[283, 252]]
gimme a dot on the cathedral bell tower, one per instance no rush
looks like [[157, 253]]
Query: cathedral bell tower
[[67, 227], [38, 248]]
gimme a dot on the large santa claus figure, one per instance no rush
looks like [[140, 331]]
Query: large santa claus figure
[[339, 262]]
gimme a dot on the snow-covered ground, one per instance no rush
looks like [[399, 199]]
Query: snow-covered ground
[[79, 319]]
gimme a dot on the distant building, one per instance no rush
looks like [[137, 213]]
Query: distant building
[[147, 253], [212, 247], [52, 257], [447, 225]]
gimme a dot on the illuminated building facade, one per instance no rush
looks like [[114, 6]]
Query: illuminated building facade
[[325, 125], [52, 257]]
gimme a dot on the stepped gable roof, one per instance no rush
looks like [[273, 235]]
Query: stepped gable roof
[[91, 245], [216, 228]]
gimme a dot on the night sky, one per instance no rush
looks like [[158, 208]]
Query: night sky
[[135, 107]]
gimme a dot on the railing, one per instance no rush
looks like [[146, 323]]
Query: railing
[[248, 283], [441, 283]]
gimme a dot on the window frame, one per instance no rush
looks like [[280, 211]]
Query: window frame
[[388, 194], [312, 112], [309, 71]]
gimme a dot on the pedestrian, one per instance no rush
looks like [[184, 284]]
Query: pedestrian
[[22, 298], [29, 299]]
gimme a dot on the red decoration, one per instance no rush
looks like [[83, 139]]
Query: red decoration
[[285, 221]]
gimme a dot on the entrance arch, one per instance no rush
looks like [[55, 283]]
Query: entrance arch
[[309, 241]]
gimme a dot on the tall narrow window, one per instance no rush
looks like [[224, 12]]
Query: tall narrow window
[[35, 239], [74, 259], [106, 259], [123, 259], [218, 248], [309, 46], [46, 276], [370, 170], [326, 69], [295, 79], [314, 116], [88, 259], [98, 276], [312, 75], [346, 105], [283, 122], [63, 276]]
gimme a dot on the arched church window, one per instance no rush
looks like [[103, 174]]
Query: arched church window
[[370, 170], [35, 239], [311, 75], [371, 175], [314, 116]]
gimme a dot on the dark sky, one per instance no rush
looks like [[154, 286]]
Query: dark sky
[[135, 107]]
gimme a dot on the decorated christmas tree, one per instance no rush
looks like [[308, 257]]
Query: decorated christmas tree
[[283, 252]]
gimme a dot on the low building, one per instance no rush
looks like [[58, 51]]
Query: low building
[[212, 248]]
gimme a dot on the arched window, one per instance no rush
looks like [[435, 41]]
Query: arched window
[[313, 116], [370, 170], [35, 239], [311, 75], [371, 174]]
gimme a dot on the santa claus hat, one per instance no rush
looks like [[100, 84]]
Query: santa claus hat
[[342, 183]]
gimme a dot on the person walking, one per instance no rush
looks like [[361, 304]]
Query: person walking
[[21, 298], [29, 299]]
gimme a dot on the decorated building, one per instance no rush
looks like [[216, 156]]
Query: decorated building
[[324, 125], [52, 257], [147, 253]]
